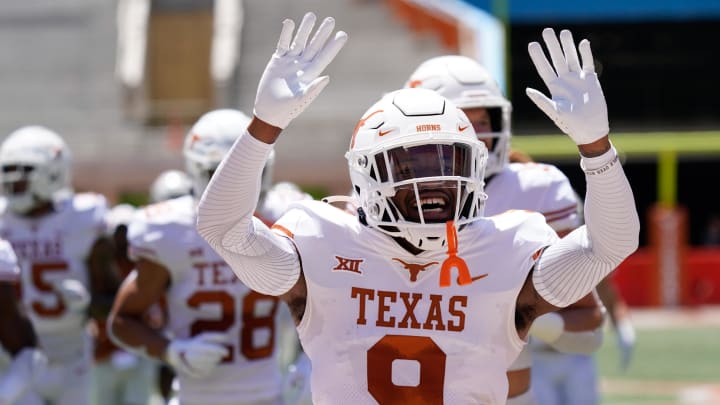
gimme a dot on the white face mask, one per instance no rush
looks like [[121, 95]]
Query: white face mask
[[21, 203]]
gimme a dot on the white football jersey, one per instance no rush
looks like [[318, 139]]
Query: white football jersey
[[378, 328], [9, 270], [49, 249], [534, 187], [205, 296]]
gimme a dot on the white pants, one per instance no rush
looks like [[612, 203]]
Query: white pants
[[61, 384], [564, 379], [125, 379]]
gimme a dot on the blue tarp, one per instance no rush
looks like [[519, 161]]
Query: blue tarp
[[534, 11]]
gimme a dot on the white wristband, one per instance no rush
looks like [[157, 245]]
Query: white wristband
[[548, 327]]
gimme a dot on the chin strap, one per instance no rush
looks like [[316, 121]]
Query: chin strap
[[453, 260]]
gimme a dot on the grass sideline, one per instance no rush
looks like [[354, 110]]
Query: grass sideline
[[676, 362]]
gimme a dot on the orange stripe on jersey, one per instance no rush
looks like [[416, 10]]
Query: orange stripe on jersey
[[283, 230]]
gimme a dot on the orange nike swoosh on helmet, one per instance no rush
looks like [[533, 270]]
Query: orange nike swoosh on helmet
[[383, 133], [463, 128]]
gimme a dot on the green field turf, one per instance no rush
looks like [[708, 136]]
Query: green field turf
[[666, 363]]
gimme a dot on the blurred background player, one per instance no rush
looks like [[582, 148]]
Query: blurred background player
[[527, 186], [170, 184], [16, 336], [221, 335], [118, 376], [64, 258]]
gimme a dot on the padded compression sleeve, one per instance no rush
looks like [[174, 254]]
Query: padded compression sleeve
[[263, 261], [570, 268]]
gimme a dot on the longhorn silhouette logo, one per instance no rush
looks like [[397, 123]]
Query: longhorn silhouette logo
[[414, 268]]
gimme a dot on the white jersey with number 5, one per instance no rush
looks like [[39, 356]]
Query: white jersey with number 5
[[205, 296], [49, 249], [379, 329]]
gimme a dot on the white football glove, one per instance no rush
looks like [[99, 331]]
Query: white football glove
[[578, 105], [25, 366], [625, 333], [296, 383], [73, 293], [198, 356], [290, 81]]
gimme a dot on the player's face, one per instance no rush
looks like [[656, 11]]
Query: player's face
[[436, 199], [480, 119], [16, 176]]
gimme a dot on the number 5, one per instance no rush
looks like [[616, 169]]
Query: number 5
[[39, 271]]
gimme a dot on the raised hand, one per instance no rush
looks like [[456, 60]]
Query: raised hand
[[291, 79], [578, 105], [625, 333]]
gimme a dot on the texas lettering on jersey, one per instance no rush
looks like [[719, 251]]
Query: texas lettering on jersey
[[214, 273], [443, 313], [36, 249]]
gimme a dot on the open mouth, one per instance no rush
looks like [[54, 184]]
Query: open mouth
[[435, 207]]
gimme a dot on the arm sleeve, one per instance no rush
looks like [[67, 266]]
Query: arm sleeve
[[264, 261], [570, 268]]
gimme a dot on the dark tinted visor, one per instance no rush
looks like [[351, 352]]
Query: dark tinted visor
[[415, 162]]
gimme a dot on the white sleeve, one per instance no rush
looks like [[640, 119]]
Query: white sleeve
[[263, 261], [570, 268]]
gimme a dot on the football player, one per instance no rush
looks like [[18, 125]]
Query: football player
[[420, 298], [64, 257], [221, 334], [526, 185], [119, 377]]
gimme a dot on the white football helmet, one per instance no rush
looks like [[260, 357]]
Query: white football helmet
[[209, 140], [35, 165], [170, 184], [416, 144], [467, 84]]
